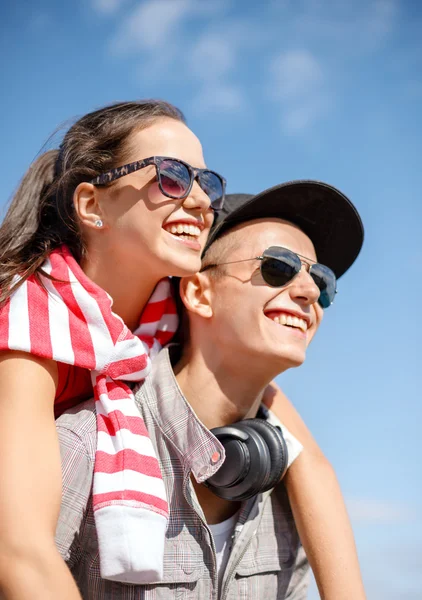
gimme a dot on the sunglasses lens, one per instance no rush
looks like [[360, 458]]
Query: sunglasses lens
[[212, 185], [326, 282], [174, 178], [278, 271]]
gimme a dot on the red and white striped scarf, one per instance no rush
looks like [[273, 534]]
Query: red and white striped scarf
[[71, 321]]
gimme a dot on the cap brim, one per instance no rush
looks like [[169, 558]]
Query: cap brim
[[324, 213]]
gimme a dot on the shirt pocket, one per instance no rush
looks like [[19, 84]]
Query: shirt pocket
[[182, 579], [266, 568], [183, 561], [268, 553]]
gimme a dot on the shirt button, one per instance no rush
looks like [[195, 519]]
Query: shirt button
[[215, 457]]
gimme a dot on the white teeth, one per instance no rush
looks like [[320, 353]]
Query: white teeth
[[183, 228], [284, 319]]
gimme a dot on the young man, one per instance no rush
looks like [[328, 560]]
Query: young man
[[251, 313]]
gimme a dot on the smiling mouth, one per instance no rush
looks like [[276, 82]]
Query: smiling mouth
[[183, 231], [288, 320]]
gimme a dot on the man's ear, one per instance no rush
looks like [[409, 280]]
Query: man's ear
[[195, 294], [87, 206]]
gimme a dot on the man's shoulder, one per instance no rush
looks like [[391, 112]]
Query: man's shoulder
[[79, 422], [160, 387]]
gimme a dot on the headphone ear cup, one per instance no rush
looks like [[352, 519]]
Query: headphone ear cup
[[247, 463], [277, 449]]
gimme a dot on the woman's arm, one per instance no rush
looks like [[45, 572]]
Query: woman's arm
[[319, 509], [30, 491]]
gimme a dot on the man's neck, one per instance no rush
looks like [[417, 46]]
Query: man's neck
[[218, 393]]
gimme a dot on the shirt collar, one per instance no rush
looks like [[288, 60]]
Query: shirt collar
[[200, 450]]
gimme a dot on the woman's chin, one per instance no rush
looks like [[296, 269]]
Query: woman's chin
[[183, 266]]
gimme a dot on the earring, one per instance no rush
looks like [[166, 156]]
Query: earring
[[98, 223]]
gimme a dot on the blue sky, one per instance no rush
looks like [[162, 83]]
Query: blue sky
[[279, 90]]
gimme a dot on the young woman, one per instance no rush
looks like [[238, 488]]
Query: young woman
[[124, 203]]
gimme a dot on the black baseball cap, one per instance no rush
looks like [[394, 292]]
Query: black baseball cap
[[321, 211]]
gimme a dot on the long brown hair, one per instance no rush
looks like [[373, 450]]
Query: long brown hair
[[41, 216]]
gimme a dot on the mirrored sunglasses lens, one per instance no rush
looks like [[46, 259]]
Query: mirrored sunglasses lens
[[174, 178], [326, 282], [212, 185], [279, 271]]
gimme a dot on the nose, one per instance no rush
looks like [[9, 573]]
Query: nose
[[197, 199], [303, 288]]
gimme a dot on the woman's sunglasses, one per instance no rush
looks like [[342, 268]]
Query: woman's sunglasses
[[175, 178], [279, 266]]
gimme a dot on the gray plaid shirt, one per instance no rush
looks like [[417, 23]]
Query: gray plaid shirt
[[266, 560]]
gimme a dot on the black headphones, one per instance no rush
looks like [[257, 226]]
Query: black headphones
[[256, 459]]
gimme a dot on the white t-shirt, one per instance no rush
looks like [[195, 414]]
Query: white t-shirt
[[222, 533]]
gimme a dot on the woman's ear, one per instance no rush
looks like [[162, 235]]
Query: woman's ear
[[87, 206], [195, 294]]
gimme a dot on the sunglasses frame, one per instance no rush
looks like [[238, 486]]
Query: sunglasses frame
[[113, 174], [271, 253]]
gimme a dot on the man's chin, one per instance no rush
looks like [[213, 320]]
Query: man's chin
[[282, 362]]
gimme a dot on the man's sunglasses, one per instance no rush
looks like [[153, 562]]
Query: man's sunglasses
[[175, 178], [279, 266]]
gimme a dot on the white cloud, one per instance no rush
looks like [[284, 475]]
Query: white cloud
[[215, 59], [212, 7], [302, 81], [155, 30], [151, 26], [107, 7], [219, 97], [298, 118], [212, 56], [155, 25], [381, 19], [294, 74], [296, 82], [212, 61], [357, 27], [366, 510]]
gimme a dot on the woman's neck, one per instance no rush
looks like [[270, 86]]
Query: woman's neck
[[129, 289]]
